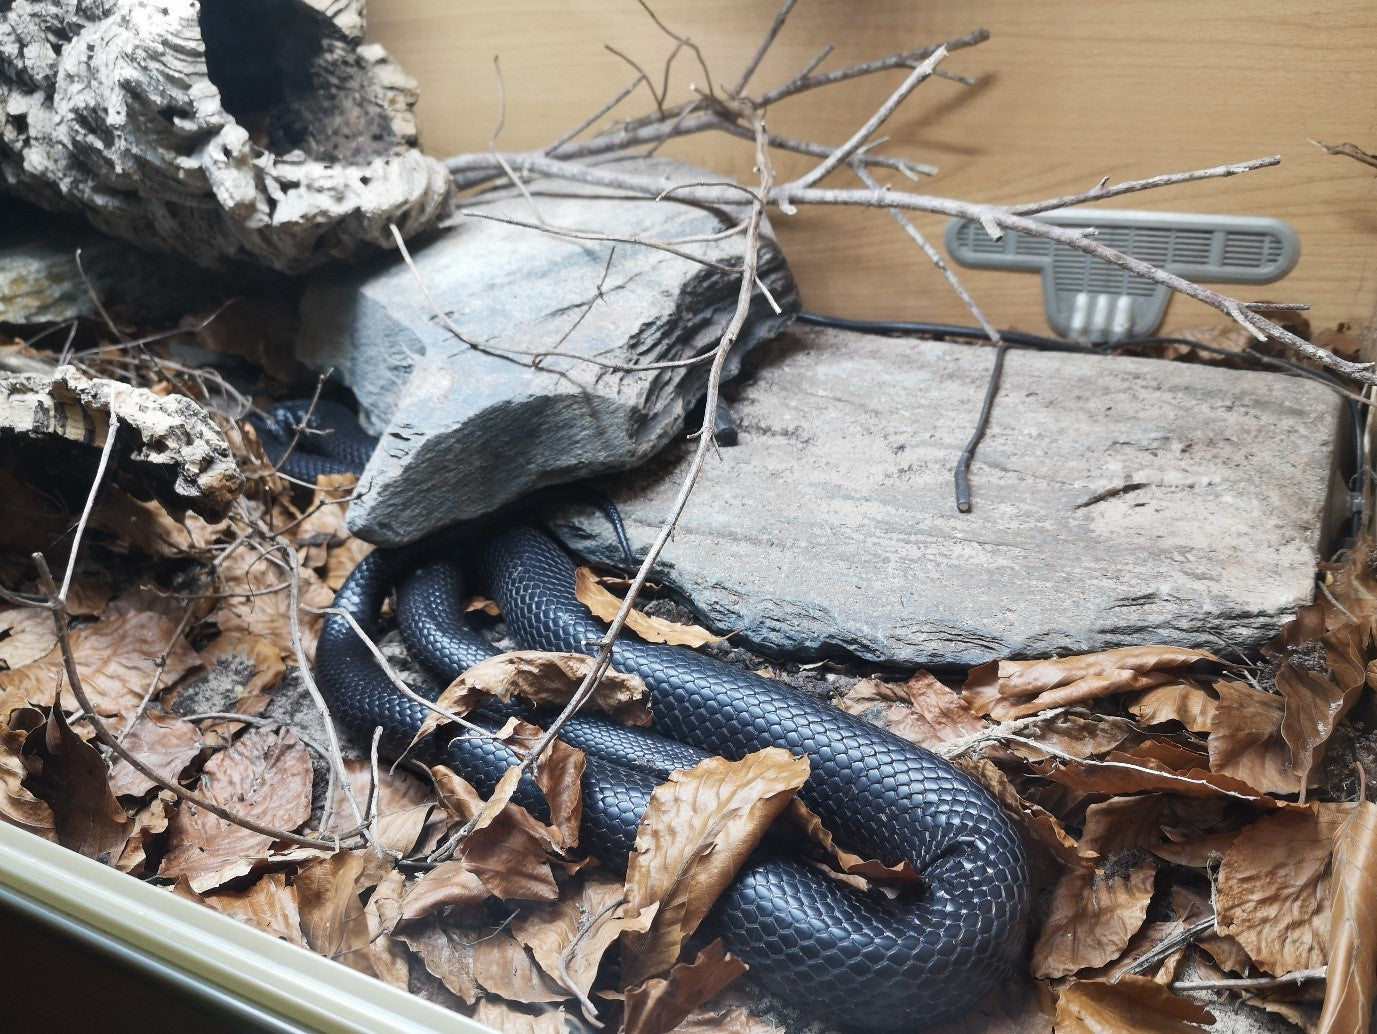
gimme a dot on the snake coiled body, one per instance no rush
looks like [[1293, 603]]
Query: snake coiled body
[[854, 957]]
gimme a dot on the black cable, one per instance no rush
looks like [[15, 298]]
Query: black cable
[[1020, 339]]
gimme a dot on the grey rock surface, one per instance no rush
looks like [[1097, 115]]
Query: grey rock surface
[[1117, 501], [470, 424], [165, 446], [40, 281]]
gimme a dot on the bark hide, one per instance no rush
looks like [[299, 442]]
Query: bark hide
[[224, 130]]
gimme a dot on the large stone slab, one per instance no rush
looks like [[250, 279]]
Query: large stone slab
[[471, 423], [1116, 501]]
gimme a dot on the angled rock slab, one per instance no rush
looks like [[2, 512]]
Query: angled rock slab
[[1117, 501], [469, 425]]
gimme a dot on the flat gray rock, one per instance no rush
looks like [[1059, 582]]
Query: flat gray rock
[[472, 423], [1117, 501]]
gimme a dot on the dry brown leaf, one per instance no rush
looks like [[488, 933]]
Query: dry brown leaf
[[1132, 1005], [509, 1019], [543, 679], [1351, 979], [568, 939], [870, 870], [696, 831], [75, 782], [265, 658], [734, 1019], [163, 742], [18, 806], [145, 527], [1189, 703], [403, 803], [1246, 742], [1314, 705], [339, 925], [506, 846], [1139, 771], [560, 778], [503, 966], [264, 776], [257, 600], [147, 826], [921, 710], [117, 661], [1041, 823], [88, 596], [328, 547], [1093, 915], [1013, 689], [269, 904], [1273, 887], [659, 1004], [26, 634], [447, 953], [604, 605], [451, 886]]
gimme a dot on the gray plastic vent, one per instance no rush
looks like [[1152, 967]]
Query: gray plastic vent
[[1090, 300]]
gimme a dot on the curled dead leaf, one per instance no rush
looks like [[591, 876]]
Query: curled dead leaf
[[18, 806], [921, 710], [1351, 979], [264, 776], [1273, 888], [661, 1003], [26, 634], [604, 605], [452, 886], [1130, 1005], [118, 661], [1014, 689], [163, 742], [696, 831], [1093, 915], [268, 904], [543, 679], [1246, 741], [73, 779]]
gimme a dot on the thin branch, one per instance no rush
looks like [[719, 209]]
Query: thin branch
[[620, 96], [1102, 192], [1292, 979], [844, 152], [111, 433], [1160, 951], [770, 35], [1004, 730], [336, 769]]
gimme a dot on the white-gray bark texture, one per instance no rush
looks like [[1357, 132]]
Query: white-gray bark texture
[[224, 130]]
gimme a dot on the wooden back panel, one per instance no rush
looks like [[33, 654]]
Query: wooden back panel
[[1067, 92]]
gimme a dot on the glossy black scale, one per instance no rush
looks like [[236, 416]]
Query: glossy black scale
[[857, 959]]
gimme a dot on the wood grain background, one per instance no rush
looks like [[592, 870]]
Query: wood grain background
[[1068, 91]]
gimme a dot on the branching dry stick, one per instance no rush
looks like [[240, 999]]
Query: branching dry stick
[[603, 658], [58, 609], [111, 432], [336, 770]]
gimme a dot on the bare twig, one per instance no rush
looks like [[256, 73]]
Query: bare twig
[[770, 35], [1292, 979], [620, 96], [95, 299], [111, 433], [995, 733], [337, 774], [844, 152], [1160, 951]]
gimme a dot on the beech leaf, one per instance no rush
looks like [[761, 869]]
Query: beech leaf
[[661, 1003], [604, 605], [696, 831], [1351, 979], [1131, 1005]]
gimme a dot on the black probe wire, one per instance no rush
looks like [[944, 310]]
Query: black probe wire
[[1020, 339]]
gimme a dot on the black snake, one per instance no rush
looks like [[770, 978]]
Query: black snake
[[857, 958]]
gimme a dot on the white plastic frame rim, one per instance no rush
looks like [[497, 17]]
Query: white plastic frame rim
[[232, 959]]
